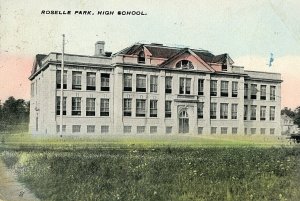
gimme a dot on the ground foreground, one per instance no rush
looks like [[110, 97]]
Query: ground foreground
[[157, 169]]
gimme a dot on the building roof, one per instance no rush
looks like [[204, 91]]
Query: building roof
[[37, 62]]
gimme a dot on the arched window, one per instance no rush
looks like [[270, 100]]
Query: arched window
[[185, 64], [141, 57]]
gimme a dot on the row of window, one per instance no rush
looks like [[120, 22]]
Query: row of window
[[263, 109], [263, 92]]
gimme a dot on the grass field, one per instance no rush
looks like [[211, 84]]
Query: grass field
[[156, 167]]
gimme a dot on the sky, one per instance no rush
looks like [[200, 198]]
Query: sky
[[249, 31]]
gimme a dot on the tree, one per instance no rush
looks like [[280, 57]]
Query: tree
[[297, 116], [288, 112]]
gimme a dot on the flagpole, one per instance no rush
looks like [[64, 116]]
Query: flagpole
[[62, 85]]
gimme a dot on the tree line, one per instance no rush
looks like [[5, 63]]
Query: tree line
[[294, 114]]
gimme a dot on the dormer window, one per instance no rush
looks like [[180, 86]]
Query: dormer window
[[224, 67], [185, 64], [141, 57]]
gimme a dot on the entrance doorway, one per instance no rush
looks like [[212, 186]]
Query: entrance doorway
[[183, 122]]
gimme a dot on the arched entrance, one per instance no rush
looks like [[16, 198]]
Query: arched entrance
[[183, 122]]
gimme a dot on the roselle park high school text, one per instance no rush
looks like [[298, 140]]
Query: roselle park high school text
[[152, 89]]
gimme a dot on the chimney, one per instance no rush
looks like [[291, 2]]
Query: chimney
[[99, 48]]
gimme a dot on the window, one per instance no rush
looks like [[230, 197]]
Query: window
[[245, 131], [234, 130], [272, 113], [213, 130], [90, 128], [168, 112], [127, 82], [140, 108], [253, 112], [234, 89], [253, 91], [153, 83], [104, 129], [263, 92], [127, 107], [141, 83], [76, 128], [169, 129], [153, 108], [90, 106], [253, 131], [224, 88], [245, 112], [184, 64], [127, 129], [63, 128], [272, 92], [104, 107], [140, 129], [200, 130], [272, 131], [58, 79], [185, 85], [246, 91], [168, 84], [90, 81], [200, 110], [76, 106], [213, 110], [224, 111], [234, 111], [224, 67], [262, 113], [32, 90], [224, 130], [153, 129], [213, 88], [76, 80], [200, 87], [58, 105], [262, 131], [105, 82], [141, 57]]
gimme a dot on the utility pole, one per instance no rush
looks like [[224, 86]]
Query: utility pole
[[62, 85]]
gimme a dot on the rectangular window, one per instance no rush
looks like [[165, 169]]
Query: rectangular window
[[263, 92], [127, 129], [140, 129], [245, 131], [200, 110], [90, 106], [234, 130], [262, 113], [224, 88], [168, 85], [127, 82], [104, 129], [153, 83], [253, 112], [246, 91], [153, 129], [76, 128], [253, 131], [213, 130], [32, 90], [200, 87], [104, 107], [224, 130], [140, 108], [185, 86], [90, 81], [262, 131], [253, 91], [234, 89], [169, 129], [272, 92], [76, 80], [127, 107], [58, 105], [141, 83], [76, 106], [105, 81], [272, 131], [234, 111], [58, 79], [272, 113], [200, 130], [63, 128], [153, 108], [224, 111], [168, 112], [245, 112], [213, 88], [90, 128], [213, 110]]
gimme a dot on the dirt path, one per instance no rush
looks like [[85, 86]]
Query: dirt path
[[11, 189]]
